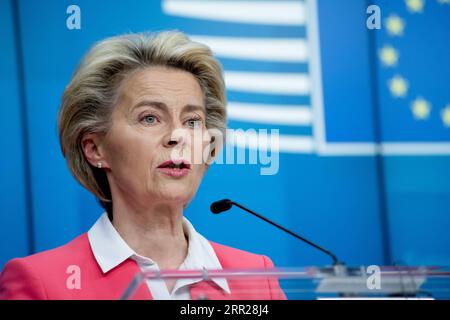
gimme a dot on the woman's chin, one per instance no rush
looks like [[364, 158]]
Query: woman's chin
[[178, 194]]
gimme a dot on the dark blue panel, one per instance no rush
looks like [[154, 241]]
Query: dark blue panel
[[418, 191], [417, 188], [62, 209], [13, 210], [346, 75]]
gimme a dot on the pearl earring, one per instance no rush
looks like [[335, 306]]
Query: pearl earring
[[99, 165]]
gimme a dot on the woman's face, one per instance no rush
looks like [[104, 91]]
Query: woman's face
[[159, 110]]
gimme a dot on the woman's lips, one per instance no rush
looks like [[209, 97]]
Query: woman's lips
[[172, 169], [174, 172]]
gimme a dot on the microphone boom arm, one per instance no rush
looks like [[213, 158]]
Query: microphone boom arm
[[226, 204]]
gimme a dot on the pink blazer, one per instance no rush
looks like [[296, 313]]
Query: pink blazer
[[44, 276]]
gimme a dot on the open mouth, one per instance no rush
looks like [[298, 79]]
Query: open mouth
[[175, 169], [172, 165]]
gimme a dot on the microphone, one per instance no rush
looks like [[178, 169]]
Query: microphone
[[226, 204], [221, 206]]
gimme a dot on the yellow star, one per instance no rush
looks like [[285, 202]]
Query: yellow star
[[395, 25], [398, 87], [389, 56], [445, 115], [415, 6], [420, 108]]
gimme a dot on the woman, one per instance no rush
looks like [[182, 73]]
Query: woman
[[128, 124]]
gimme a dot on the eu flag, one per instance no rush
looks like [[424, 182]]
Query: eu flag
[[413, 56]]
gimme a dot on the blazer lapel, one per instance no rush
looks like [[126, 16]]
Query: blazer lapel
[[124, 275]]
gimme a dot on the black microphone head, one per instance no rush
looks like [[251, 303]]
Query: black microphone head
[[221, 206]]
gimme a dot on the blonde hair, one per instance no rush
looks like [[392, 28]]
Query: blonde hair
[[90, 96]]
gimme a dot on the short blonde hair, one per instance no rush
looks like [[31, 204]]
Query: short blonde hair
[[90, 96]]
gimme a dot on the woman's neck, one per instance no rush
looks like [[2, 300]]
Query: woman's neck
[[153, 231]]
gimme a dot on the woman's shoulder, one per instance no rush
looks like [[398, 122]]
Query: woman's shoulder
[[231, 257], [24, 278], [74, 250], [46, 263]]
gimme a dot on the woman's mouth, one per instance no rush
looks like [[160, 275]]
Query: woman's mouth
[[175, 169]]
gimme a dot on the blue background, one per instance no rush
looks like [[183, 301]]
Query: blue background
[[367, 209]]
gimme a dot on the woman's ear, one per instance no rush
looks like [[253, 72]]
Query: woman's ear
[[94, 151]]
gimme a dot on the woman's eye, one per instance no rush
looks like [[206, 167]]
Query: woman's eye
[[195, 123], [149, 119]]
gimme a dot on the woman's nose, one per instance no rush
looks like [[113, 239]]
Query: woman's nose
[[175, 138], [172, 142]]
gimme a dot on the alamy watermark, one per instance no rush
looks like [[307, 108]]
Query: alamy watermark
[[373, 281], [234, 146], [73, 281], [374, 19], [73, 21]]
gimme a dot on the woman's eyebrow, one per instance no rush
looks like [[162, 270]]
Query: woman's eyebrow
[[163, 107], [148, 103], [193, 107]]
